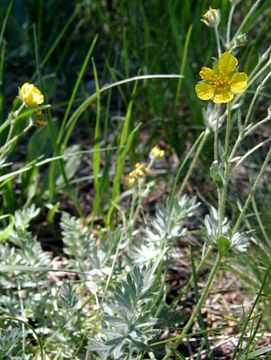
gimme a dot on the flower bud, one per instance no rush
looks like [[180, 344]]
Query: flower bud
[[240, 40], [212, 17]]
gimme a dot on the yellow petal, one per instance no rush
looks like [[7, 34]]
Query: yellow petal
[[31, 95], [206, 73], [205, 91], [239, 82], [223, 96], [227, 63], [25, 89]]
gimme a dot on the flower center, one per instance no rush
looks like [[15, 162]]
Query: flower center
[[220, 82]]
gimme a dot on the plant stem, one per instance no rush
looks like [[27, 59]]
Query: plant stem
[[255, 73], [229, 26], [257, 92], [216, 133], [222, 202], [217, 41], [200, 302], [13, 119], [137, 197], [252, 9], [228, 129], [258, 217], [252, 192]]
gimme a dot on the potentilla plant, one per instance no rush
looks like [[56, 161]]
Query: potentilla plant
[[224, 85]]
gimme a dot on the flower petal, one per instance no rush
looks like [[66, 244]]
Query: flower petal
[[223, 96], [239, 82], [227, 63], [206, 73], [205, 91]]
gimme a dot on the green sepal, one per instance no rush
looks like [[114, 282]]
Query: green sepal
[[223, 243]]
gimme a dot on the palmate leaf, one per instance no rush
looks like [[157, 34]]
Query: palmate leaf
[[128, 324], [10, 344], [169, 223], [24, 217], [237, 242], [77, 239]]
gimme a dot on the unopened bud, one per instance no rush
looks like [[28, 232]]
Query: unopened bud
[[212, 17], [240, 40]]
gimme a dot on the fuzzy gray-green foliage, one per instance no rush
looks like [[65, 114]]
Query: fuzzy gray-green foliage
[[98, 290]]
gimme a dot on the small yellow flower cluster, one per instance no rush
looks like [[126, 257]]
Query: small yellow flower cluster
[[30, 95], [157, 153], [139, 172]]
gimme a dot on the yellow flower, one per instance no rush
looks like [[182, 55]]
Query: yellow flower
[[211, 17], [30, 95], [157, 153], [139, 171], [223, 81]]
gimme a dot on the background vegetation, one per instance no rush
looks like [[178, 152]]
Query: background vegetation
[[108, 275]]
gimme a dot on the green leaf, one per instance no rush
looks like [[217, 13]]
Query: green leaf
[[4, 234], [224, 243]]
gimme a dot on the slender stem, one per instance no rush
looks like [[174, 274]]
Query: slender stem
[[228, 129], [15, 319], [244, 134], [13, 119], [133, 203], [216, 133], [236, 145], [254, 127], [22, 314], [222, 203], [249, 152], [135, 208], [200, 302], [9, 142], [255, 73], [257, 92], [217, 41], [252, 192], [229, 25], [258, 217], [252, 9], [193, 163]]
